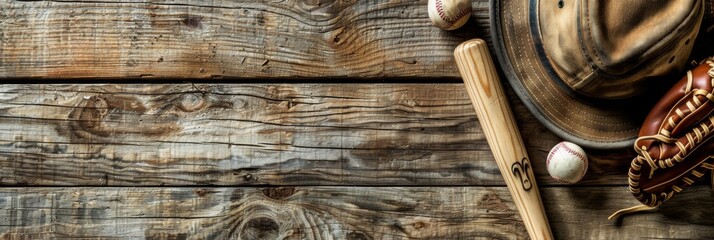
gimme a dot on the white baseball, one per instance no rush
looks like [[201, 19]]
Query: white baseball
[[567, 162], [449, 14]]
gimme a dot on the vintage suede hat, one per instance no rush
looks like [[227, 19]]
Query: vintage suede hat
[[585, 68]]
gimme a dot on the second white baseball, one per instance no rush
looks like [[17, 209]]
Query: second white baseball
[[449, 14], [567, 162]]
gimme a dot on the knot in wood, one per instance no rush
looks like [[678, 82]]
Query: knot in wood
[[357, 236], [90, 112], [260, 228], [191, 102], [192, 21], [201, 192], [321, 10], [279, 193], [336, 37], [111, 117], [492, 201]]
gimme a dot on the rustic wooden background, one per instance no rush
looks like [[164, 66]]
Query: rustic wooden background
[[296, 119]]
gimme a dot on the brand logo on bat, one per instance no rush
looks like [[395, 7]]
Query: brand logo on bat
[[521, 170]]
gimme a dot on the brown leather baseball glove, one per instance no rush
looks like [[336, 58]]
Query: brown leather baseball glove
[[675, 145]]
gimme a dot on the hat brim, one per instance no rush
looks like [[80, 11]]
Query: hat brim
[[515, 33]]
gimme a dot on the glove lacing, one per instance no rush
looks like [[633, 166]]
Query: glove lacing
[[694, 138]]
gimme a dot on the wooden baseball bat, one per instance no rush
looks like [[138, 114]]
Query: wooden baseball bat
[[486, 93]]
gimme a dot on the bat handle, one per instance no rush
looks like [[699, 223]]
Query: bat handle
[[499, 126]]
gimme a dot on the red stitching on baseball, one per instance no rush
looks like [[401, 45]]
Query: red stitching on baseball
[[559, 180], [550, 155], [451, 21], [571, 151], [580, 156], [440, 9]]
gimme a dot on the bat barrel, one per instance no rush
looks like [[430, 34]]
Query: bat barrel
[[499, 126]]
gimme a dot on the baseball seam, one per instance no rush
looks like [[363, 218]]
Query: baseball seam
[[559, 179], [571, 151], [452, 20], [576, 153], [579, 156]]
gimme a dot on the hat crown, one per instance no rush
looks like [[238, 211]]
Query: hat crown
[[577, 65], [609, 49]]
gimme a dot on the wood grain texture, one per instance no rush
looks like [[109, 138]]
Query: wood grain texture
[[227, 39], [337, 213], [185, 134], [255, 213], [501, 132]]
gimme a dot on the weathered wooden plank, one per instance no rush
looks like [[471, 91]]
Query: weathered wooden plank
[[227, 39], [337, 213], [581, 213], [252, 213], [185, 134]]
